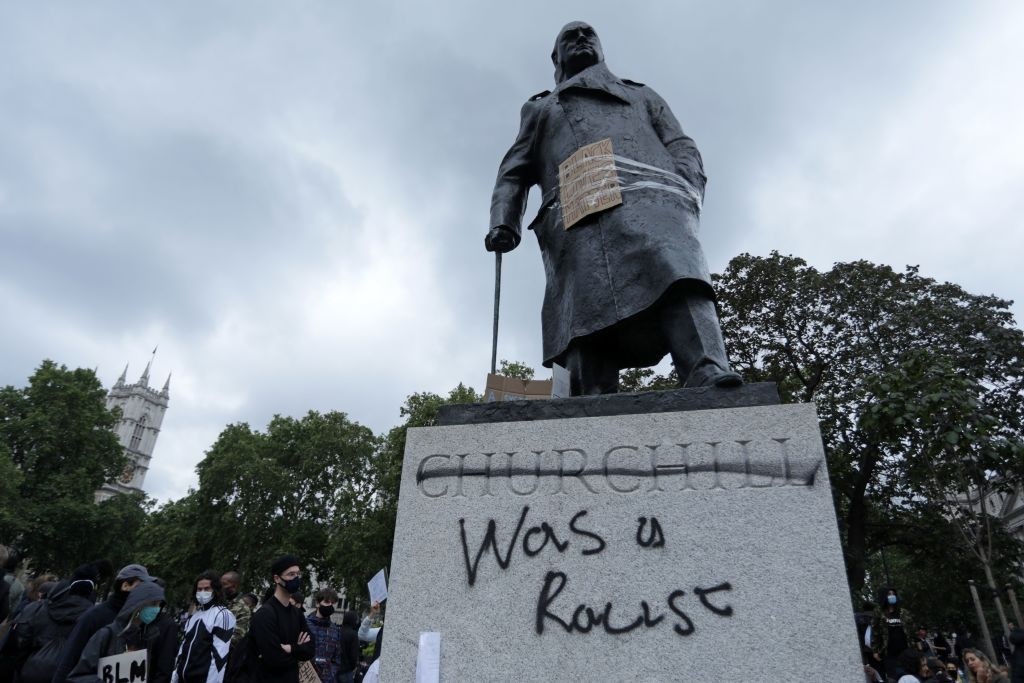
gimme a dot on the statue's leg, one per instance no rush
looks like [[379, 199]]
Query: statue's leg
[[690, 325], [589, 370]]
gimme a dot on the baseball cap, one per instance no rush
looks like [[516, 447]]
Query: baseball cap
[[134, 571]]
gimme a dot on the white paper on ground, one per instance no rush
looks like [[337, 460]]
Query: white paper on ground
[[428, 659]]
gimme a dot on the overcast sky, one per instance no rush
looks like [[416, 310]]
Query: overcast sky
[[290, 198]]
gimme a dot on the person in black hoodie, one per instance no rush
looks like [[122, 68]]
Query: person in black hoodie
[[44, 626], [127, 579], [349, 647], [141, 623]]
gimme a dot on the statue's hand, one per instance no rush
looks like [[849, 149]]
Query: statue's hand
[[500, 239]]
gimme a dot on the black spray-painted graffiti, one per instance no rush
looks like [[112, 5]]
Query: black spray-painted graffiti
[[539, 537], [584, 618], [656, 539]]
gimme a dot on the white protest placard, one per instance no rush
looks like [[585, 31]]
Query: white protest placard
[[428, 658], [128, 667], [378, 586]]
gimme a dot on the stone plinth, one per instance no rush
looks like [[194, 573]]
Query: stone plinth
[[686, 546], [606, 405]]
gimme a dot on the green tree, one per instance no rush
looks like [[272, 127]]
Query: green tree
[[958, 452], [122, 519], [920, 551], [645, 379], [515, 369], [881, 352], [175, 544], [919, 388], [10, 482], [56, 432], [362, 543], [262, 494]]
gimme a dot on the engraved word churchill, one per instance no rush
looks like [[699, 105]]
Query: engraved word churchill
[[621, 469]]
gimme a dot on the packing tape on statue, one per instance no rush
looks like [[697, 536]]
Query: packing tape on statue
[[611, 174]]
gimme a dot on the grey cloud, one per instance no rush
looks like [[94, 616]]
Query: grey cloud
[[161, 171]]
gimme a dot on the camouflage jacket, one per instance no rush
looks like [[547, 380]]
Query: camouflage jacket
[[243, 614], [880, 629]]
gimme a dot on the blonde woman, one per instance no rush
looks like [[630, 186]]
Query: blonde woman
[[980, 668]]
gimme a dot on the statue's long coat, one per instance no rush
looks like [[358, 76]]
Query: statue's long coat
[[606, 271]]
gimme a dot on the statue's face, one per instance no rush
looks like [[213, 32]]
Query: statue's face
[[577, 48]]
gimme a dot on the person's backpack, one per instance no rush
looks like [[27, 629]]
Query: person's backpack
[[42, 664], [43, 658]]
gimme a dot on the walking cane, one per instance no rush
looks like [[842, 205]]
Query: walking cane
[[497, 299]]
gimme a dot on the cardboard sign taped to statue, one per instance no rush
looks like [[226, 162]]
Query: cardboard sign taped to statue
[[588, 182]]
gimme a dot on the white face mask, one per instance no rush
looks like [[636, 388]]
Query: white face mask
[[204, 597]]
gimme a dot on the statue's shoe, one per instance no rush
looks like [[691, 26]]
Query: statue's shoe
[[726, 379], [714, 376]]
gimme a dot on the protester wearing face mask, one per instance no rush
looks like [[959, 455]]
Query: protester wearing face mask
[[43, 627], [230, 581], [327, 635], [891, 634], [279, 637], [141, 624], [127, 579], [203, 655]]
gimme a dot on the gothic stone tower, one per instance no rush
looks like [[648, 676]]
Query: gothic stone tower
[[142, 411]]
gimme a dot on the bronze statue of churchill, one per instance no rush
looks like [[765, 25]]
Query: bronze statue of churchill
[[628, 284]]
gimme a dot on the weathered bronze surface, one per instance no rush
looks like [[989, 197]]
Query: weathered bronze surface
[[626, 283]]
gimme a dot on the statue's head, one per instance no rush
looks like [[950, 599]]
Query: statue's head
[[576, 47]]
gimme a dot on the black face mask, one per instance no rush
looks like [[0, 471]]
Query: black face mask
[[326, 611], [230, 594], [292, 585]]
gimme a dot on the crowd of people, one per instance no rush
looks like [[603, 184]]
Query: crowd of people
[[57, 630], [898, 650]]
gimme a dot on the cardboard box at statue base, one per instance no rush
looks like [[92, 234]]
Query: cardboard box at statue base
[[687, 546]]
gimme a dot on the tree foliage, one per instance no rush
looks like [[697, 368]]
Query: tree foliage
[[515, 369], [321, 486], [931, 567], [56, 449], [645, 379], [10, 483], [918, 383], [363, 545], [262, 494], [175, 544]]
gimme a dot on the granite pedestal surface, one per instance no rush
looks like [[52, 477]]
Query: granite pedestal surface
[[677, 546]]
